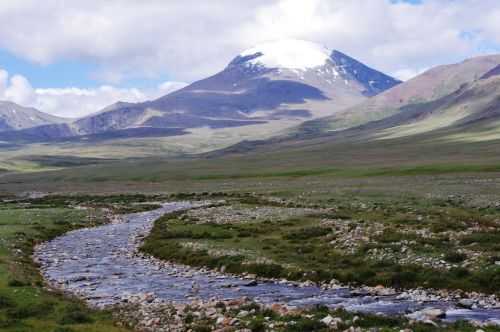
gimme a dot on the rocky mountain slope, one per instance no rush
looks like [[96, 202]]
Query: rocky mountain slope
[[16, 117], [277, 80], [453, 104], [290, 80], [472, 111], [432, 85]]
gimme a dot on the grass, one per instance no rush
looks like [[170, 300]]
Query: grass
[[24, 303], [363, 172], [300, 249], [331, 159], [295, 245], [310, 320], [483, 240], [417, 182]]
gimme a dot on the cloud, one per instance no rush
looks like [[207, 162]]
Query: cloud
[[405, 74], [74, 102], [4, 76], [126, 38], [19, 90], [386, 35], [189, 40], [169, 86]]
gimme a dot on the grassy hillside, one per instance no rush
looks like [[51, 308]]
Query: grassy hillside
[[420, 165], [429, 86]]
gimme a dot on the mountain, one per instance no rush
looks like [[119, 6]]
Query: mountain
[[16, 117], [471, 112], [432, 85], [290, 80], [452, 104]]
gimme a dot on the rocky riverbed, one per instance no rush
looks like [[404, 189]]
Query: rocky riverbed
[[102, 265]]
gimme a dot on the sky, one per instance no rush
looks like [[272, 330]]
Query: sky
[[72, 58]]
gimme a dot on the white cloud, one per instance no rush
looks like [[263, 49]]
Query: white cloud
[[405, 74], [4, 76], [126, 38], [382, 34], [19, 90], [169, 86], [189, 40], [74, 102]]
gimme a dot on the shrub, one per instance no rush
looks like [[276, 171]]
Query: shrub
[[6, 322], [379, 321], [460, 272], [63, 329], [307, 325], [189, 234], [257, 325], [32, 310], [267, 312], [391, 236], [455, 257], [250, 306], [245, 233], [6, 302], [266, 270], [16, 283], [307, 233], [483, 239], [74, 314], [403, 279], [489, 279], [202, 327]]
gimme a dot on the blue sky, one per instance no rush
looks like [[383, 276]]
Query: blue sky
[[64, 73], [72, 58], [57, 74]]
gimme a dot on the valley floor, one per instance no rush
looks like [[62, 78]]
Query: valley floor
[[401, 216], [297, 238]]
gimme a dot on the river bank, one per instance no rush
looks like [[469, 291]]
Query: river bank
[[102, 266]]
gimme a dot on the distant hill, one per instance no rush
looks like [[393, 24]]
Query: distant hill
[[17, 117], [431, 85], [473, 111]]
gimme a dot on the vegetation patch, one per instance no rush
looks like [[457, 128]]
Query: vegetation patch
[[374, 243], [24, 303]]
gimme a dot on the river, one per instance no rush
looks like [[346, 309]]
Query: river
[[102, 266]]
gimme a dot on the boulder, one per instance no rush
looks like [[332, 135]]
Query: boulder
[[465, 303], [427, 314]]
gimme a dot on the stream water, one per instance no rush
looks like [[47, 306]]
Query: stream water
[[101, 266]]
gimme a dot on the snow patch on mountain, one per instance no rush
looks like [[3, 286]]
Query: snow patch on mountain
[[288, 53]]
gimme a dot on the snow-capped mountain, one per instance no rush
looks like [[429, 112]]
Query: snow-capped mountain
[[290, 80], [304, 58], [286, 53]]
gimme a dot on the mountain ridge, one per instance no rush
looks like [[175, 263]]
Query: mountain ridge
[[16, 117], [245, 93], [433, 84]]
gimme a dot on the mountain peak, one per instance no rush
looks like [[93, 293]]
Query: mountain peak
[[287, 53], [14, 117]]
